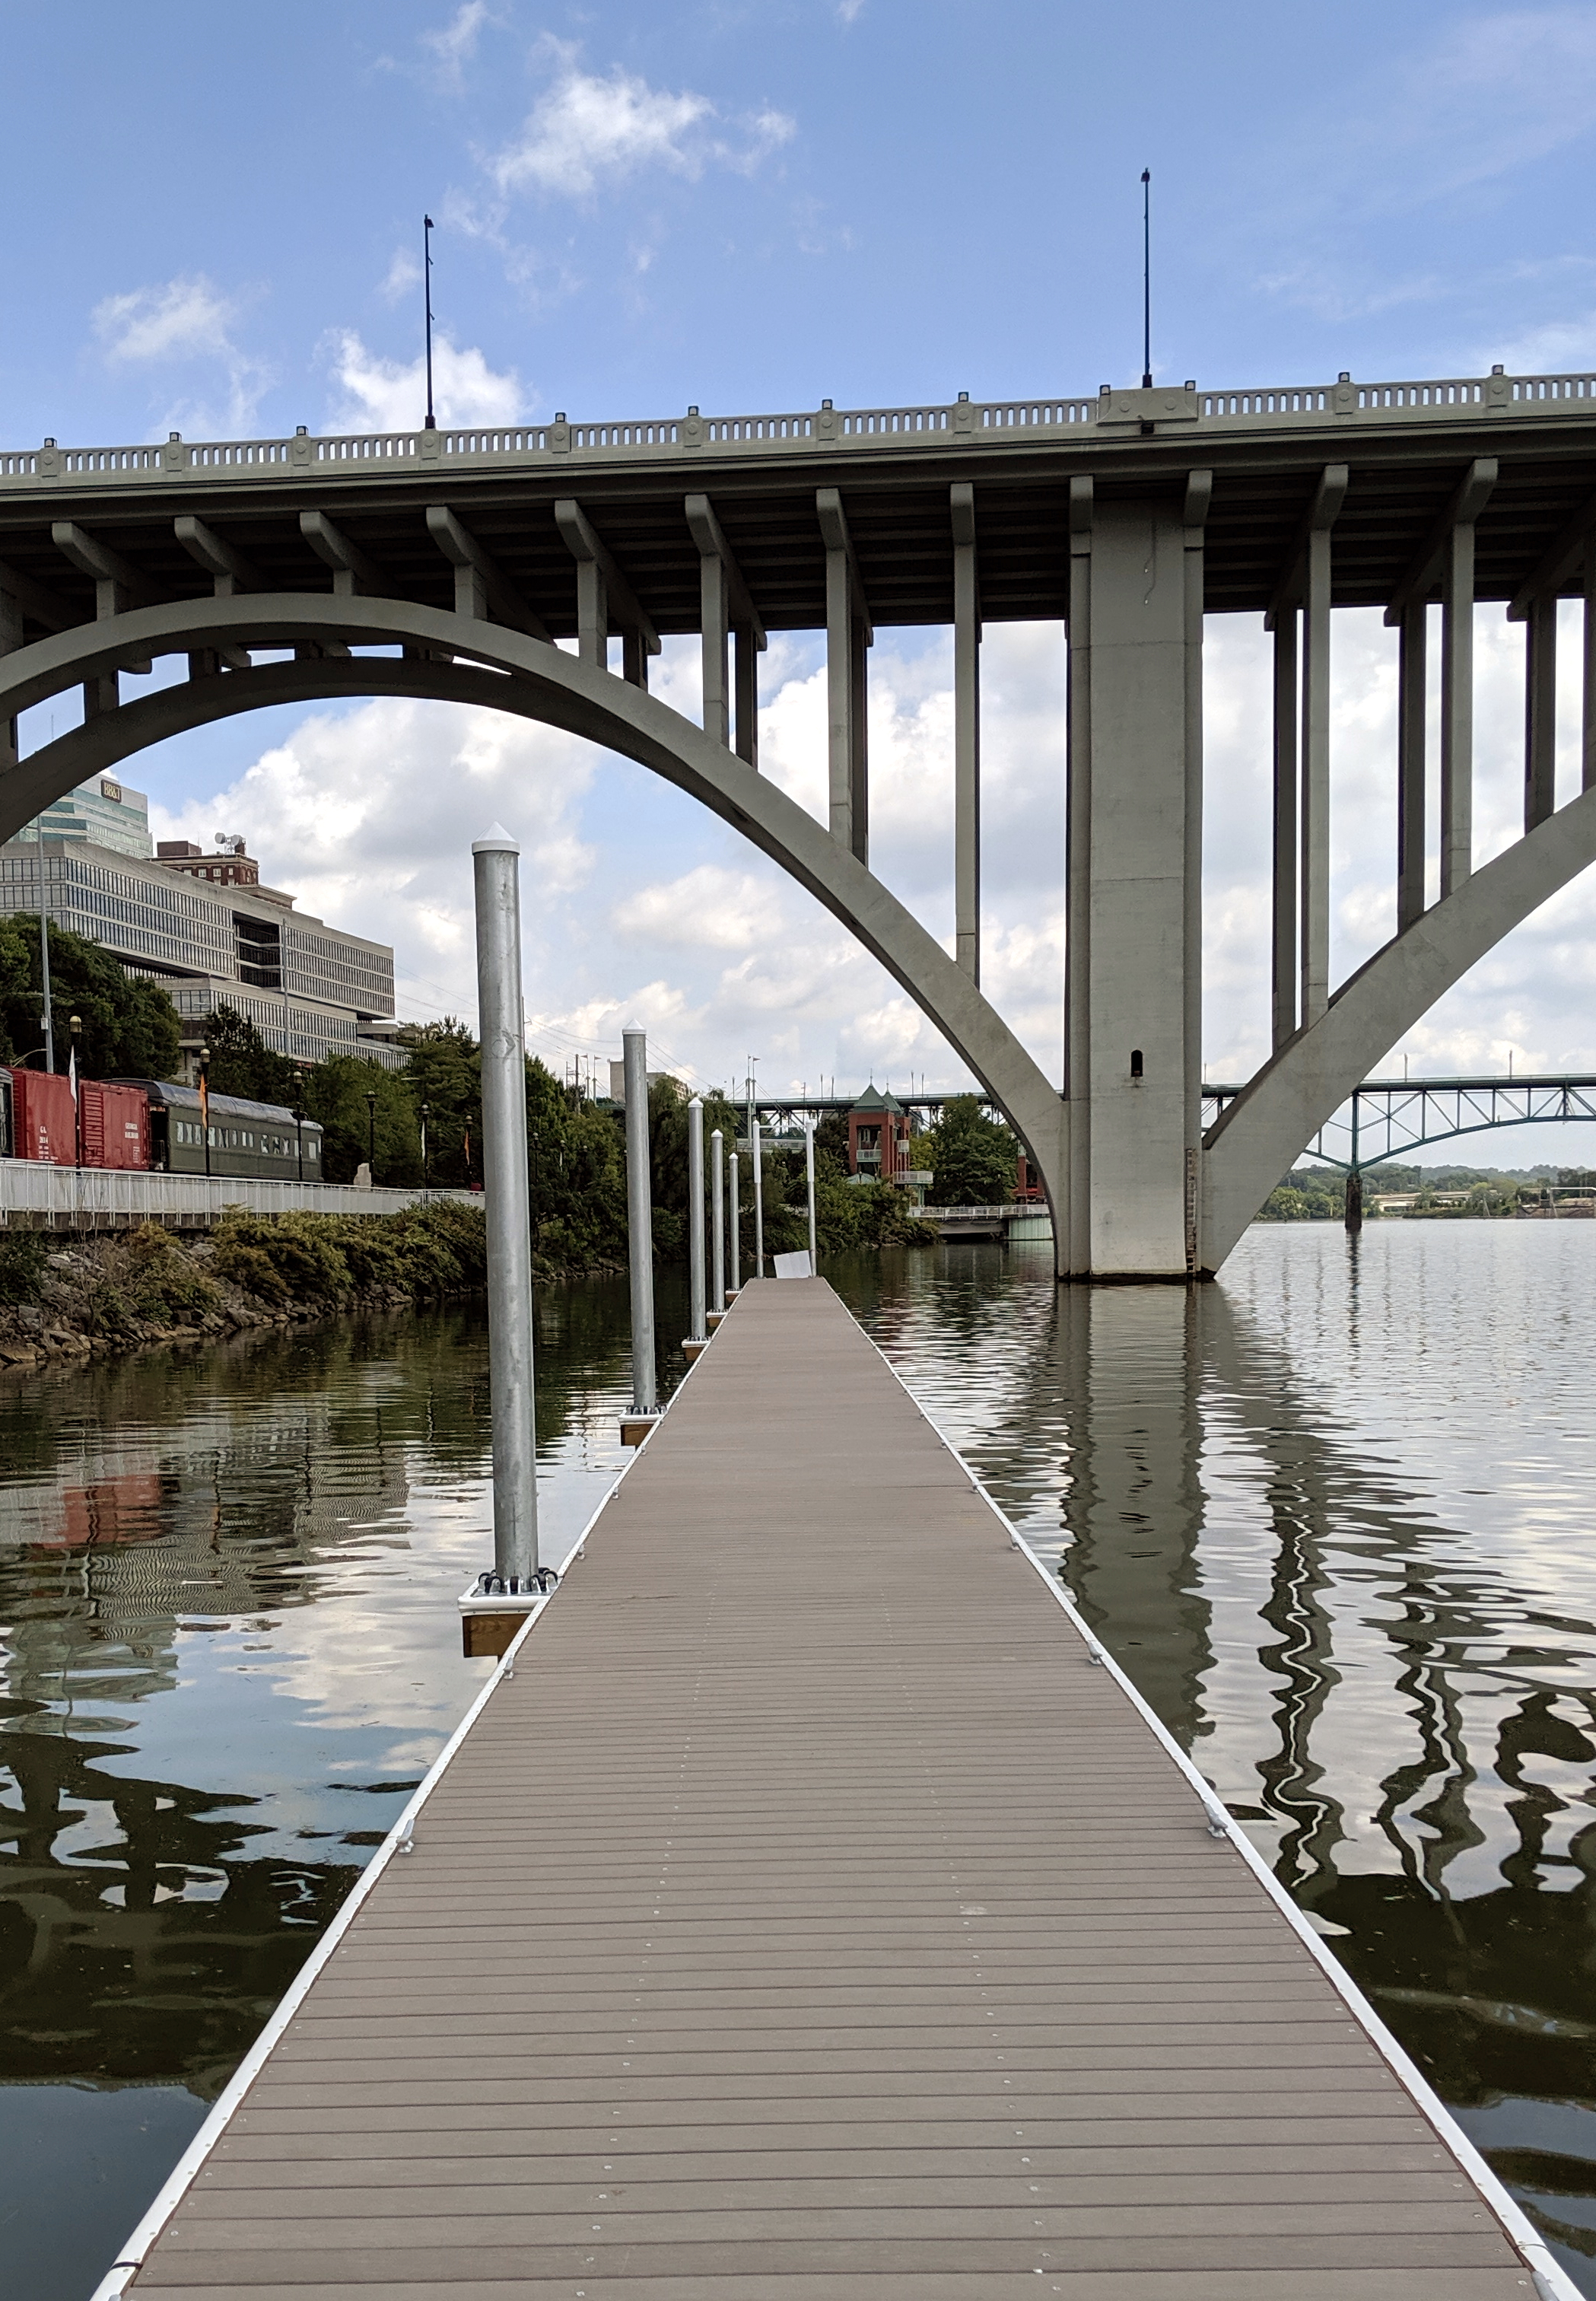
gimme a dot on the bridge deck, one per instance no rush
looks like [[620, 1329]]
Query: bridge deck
[[808, 1918]]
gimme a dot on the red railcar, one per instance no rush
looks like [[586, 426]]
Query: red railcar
[[44, 1118], [113, 1125]]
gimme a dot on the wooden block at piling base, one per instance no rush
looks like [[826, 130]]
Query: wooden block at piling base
[[731, 1294], [491, 1633], [690, 1349], [635, 1427], [711, 1319]]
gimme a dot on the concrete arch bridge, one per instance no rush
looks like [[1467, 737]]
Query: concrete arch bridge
[[444, 563]]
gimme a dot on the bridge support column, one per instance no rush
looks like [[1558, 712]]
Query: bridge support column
[[1410, 764], [1539, 710], [1133, 1062], [967, 734], [1456, 708]]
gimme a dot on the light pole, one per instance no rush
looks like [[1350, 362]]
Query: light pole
[[44, 951], [205, 1099], [75, 1024], [371, 1138], [299, 1132], [426, 1162]]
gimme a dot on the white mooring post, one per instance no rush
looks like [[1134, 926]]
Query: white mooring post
[[734, 1239], [639, 1226], [754, 1153], [698, 1334], [496, 864], [717, 1224], [809, 1183]]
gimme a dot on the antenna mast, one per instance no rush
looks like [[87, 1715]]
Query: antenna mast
[[427, 230], [1147, 283]]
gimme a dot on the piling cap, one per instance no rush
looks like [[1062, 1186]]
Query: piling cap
[[497, 841]]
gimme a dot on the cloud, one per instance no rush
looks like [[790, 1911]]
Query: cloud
[[185, 318], [455, 43], [385, 395], [367, 814], [403, 276], [586, 131], [708, 908]]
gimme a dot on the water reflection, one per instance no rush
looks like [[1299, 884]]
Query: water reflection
[[226, 1586], [1333, 1515]]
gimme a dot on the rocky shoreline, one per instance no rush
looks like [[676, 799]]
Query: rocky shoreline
[[102, 1297]]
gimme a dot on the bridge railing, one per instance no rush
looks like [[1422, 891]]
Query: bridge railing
[[1270, 406]]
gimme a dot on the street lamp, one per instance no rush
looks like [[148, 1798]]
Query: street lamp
[[74, 1024], [299, 1132], [426, 1163], [205, 1099], [370, 1137]]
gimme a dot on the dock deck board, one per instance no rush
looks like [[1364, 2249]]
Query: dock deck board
[[807, 1919]]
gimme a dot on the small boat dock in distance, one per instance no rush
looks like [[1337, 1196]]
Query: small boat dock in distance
[[807, 1911]]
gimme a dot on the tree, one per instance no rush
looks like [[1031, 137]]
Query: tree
[[974, 1161], [335, 1094], [241, 1063], [130, 1027], [445, 1072]]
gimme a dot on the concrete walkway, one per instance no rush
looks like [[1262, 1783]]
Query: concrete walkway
[[808, 1918]]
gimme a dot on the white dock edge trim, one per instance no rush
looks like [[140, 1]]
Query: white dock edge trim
[[1552, 2283], [131, 2256]]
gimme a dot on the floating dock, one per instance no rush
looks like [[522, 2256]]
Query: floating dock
[[807, 1911]]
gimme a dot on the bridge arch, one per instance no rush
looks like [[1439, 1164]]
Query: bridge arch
[[504, 670], [1259, 1136]]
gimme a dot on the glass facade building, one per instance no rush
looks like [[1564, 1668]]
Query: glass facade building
[[309, 989], [100, 813]]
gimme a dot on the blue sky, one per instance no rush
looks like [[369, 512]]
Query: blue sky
[[214, 226]]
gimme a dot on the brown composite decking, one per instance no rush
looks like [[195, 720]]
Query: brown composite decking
[[807, 1919]]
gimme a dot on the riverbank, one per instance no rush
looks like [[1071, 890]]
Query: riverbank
[[100, 1297]]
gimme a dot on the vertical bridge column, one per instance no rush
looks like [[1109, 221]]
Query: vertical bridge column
[[727, 614], [1299, 942], [966, 733], [1134, 819], [847, 635]]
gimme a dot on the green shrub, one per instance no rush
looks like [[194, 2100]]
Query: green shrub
[[22, 1259], [159, 1282]]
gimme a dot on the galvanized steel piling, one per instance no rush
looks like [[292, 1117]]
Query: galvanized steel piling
[[810, 1186], [717, 1209], [495, 866], [695, 1221], [734, 1242], [639, 1222], [754, 1152]]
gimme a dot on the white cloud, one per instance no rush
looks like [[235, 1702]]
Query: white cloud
[[403, 276], [587, 130], [454, 44], [367, 816], [186, 319], [385, 395], [708, 908]]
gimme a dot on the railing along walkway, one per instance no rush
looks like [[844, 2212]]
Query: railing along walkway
[[808, 1918]]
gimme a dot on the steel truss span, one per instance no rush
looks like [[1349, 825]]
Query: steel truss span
[[445, 563], [1387, 1118]]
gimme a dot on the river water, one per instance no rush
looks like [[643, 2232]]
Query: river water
[[1336, 1515]]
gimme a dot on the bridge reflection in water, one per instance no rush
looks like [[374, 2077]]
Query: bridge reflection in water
[[1333, 1521]]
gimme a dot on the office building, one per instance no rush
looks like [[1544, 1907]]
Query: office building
[[205, 928]]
